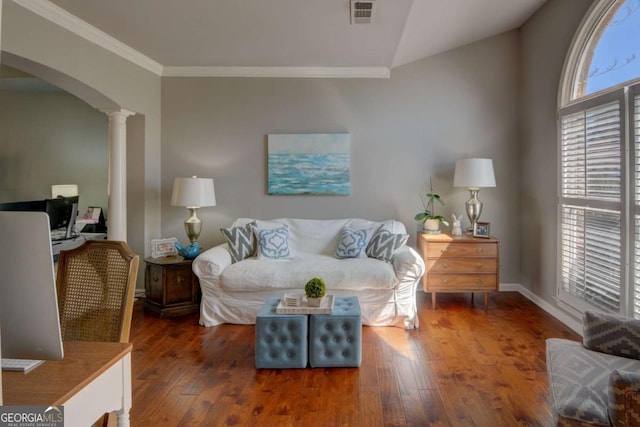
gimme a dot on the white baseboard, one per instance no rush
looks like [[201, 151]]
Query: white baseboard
[[563, 317]]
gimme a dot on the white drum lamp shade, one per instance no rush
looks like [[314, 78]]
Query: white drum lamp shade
[[474, 173], [193, 193], [64, 190]]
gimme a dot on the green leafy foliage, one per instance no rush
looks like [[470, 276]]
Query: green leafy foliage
[[429, 211], [315, 288]]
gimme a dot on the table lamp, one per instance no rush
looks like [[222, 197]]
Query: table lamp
[[474, 174], [193, 193]]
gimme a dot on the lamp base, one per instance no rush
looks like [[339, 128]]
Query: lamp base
[[474, 208], [193, 225]]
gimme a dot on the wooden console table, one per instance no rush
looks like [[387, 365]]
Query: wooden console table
[[459, 264], [93, 378]]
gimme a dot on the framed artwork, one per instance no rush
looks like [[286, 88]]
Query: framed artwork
[[315, 163], [481, 229], [163, 247]]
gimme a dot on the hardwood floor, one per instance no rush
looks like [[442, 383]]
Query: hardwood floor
[[462, 367]]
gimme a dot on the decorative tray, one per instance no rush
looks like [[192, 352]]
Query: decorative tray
[[326, 307]]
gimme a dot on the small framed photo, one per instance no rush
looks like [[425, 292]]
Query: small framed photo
[[481, 229], [163, 247]]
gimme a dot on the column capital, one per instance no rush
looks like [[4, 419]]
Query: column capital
[[117, 112]]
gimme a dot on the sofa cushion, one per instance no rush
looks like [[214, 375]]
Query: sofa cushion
[[254, 274], [624, 398], [353, 243], [579, 378], [241, 241], [384, 244], [273, 243], [611, 334]]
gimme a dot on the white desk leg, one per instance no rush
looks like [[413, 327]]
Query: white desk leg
[[123, 413]]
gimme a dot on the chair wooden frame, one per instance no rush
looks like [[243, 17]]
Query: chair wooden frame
[[96, 285]]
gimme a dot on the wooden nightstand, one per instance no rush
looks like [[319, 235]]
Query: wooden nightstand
[[172, 288], [459, 264]]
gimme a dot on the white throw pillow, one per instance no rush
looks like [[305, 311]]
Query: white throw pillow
[[272, 239]]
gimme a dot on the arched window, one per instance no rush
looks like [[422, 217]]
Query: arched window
[[599, 167]]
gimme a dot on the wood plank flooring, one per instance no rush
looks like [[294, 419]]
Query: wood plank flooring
[[462, 367]]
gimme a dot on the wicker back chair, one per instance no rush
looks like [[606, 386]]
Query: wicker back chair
[[96, 285]]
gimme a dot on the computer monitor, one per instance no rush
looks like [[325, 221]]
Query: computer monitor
[[29, 322], [62, 213]]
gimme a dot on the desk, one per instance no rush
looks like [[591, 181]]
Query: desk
[[92, 379], [68, 244]]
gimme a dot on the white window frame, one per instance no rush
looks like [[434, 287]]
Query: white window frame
[[571, 99]]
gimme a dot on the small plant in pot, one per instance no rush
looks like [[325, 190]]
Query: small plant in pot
[[315, 290], [428, 216]]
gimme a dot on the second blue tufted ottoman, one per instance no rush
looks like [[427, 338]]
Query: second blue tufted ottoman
[[335, 340], [281, 339]]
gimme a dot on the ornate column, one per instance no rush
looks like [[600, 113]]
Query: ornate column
[[117, 186]]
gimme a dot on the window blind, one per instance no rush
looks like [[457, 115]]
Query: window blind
[[590, 211]]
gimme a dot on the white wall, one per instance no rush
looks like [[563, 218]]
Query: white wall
[[403, 130]]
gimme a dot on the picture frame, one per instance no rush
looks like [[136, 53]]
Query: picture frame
[[481, 229], [163, 247]]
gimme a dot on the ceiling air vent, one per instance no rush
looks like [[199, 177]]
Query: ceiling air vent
[[362, 11]]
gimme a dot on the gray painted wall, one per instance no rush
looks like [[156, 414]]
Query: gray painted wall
[[82, 67], [51, 138], [403, 130], [545, 40]]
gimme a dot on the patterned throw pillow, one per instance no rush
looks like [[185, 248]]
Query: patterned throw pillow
[[273, 243], [624, 398], [384, 244], [611, 334], [241, 241], [353, 243]]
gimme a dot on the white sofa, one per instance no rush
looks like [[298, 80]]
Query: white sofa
[[234, 292]]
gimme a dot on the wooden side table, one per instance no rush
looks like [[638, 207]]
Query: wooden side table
[[459, 264], [171, 287]]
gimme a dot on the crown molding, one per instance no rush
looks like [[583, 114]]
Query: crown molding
[[300, 72], [72, 23], [64, 19]]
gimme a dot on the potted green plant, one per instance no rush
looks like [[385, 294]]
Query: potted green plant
[[428, 216], [315, 290]]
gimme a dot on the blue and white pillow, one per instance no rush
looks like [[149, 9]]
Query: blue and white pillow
[[241, 241], [384, 244], [353, 243], [273, 243]]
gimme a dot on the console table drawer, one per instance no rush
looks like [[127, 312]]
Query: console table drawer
[[438, 250], [461, 282], [462, 265]]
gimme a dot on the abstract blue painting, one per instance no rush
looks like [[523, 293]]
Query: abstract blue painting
[[309, 163]]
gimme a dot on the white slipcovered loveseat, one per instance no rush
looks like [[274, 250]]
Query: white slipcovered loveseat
[[355, 257]]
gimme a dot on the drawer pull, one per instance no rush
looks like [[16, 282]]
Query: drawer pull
[[445, 265], [445, 281], [155, 278], [478, 265], [179, 279], [443, 250], [479, 281], [479, 250]]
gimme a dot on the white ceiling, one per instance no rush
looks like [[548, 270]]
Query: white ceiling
[[281, 37]]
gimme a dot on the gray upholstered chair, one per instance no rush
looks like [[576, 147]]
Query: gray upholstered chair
[[597, 382]]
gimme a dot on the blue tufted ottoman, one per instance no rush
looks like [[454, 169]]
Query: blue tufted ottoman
[[335, 340], [281, 339]]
